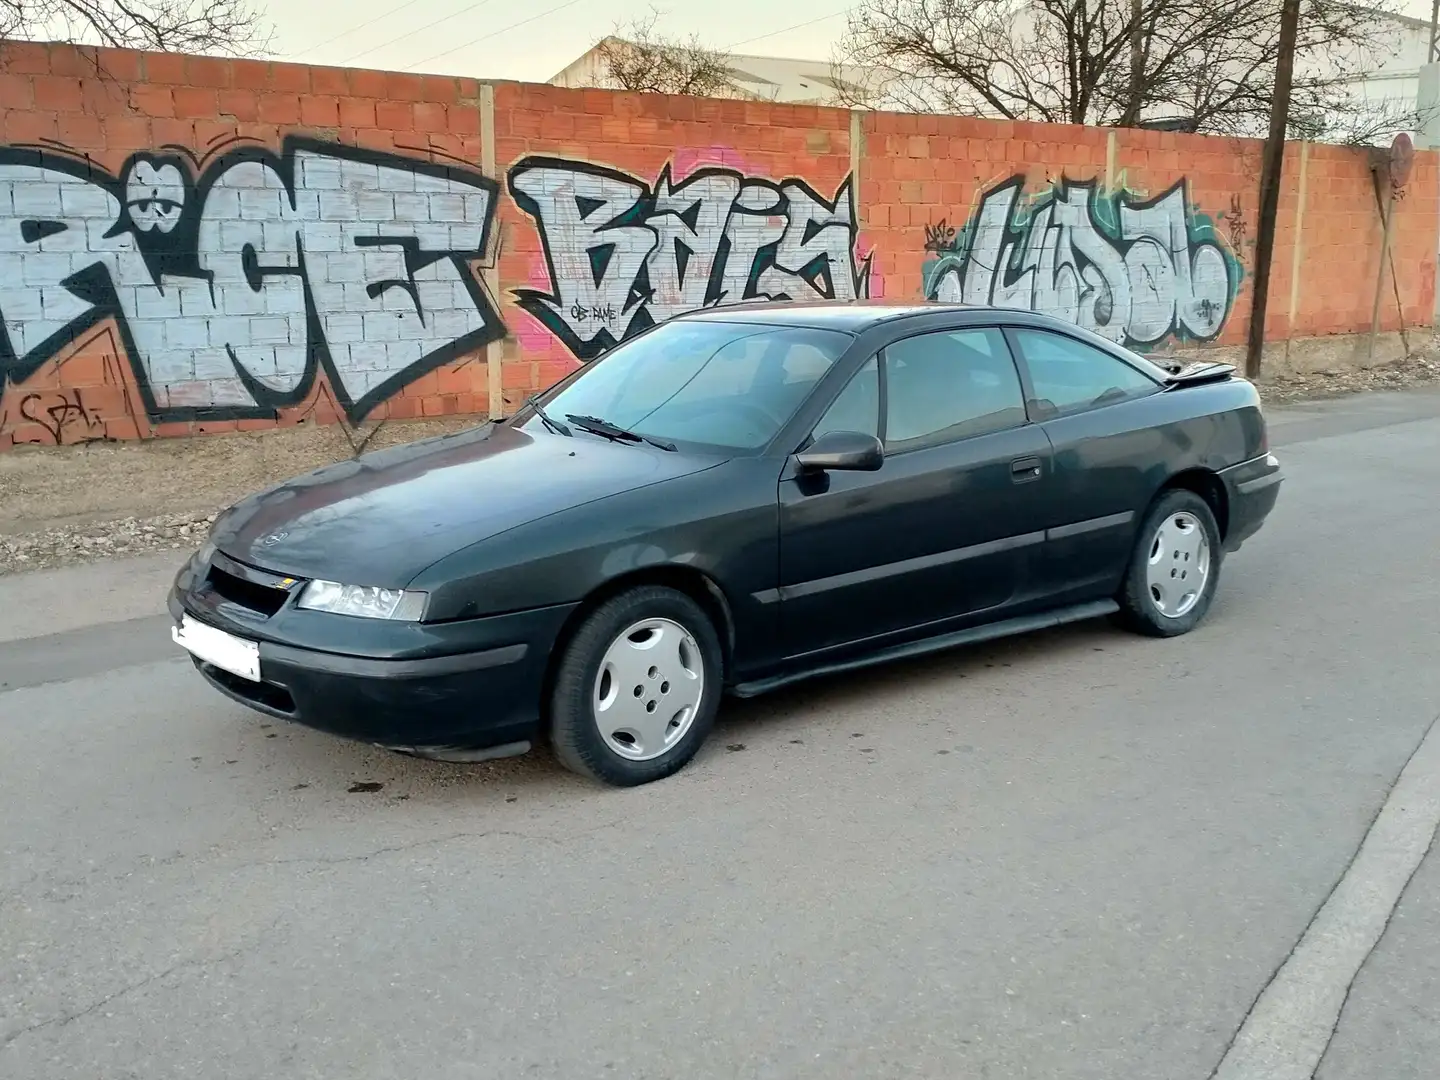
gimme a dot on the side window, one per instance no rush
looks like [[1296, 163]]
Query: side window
[[1069, 375], [950, 385], [858, 406]]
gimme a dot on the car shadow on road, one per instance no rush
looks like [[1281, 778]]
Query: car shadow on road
[[300, 764], [936, 683], [885, 689]]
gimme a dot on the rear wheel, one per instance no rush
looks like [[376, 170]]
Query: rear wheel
[[637, 688], [1175, 567]]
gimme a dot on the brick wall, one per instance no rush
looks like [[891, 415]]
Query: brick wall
[[194, 245]]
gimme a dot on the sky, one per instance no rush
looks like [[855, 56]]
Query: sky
[[531, 41], [534, 39]]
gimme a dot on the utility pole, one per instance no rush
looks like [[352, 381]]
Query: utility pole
[[1273, 162], [1434, 26]]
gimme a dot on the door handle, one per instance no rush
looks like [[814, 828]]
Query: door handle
[[1023, 470]]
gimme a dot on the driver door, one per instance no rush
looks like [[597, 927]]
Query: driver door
[[946, 528]]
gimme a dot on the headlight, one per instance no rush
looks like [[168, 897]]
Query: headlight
[[204, 555], [363, 601]]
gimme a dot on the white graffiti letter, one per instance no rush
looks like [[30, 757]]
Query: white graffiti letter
[[593, 248], [1023, 259], [987, 242], [689, 223], [758, 221], [387, 252], [1104, 284], [56, 252], [1195, 286], [249, 244], [813, 256]]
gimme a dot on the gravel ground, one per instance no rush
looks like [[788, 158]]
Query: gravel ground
[[1412, 371], [80, 503], [87, 502], [66, 544]]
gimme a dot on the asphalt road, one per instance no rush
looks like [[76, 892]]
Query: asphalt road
[[1075, 855]]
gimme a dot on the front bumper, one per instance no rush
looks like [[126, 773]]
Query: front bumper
[[419, 686], [1251, 490]]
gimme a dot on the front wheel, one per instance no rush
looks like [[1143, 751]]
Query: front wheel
[[1175, 567], [637, 689]]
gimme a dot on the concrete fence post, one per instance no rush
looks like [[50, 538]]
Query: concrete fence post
[[1427, 108], [495, 350]]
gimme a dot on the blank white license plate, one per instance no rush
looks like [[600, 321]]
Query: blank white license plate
[[226, 651]]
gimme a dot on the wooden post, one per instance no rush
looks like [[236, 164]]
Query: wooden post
[[1387, 211]]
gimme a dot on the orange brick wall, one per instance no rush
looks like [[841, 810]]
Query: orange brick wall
[[192, 312]]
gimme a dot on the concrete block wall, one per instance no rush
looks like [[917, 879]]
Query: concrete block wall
[[192, 245]]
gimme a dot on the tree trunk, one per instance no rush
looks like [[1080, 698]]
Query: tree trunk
[[1270, 184], [1137, 63]]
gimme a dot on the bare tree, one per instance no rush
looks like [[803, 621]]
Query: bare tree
[[232, 27], [638, 58], [1199, 65]]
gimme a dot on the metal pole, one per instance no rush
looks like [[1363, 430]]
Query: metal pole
[[1273, 162], [1434, 25], [1387, 211]]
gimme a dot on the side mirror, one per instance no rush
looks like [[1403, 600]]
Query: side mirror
[[842, 451]]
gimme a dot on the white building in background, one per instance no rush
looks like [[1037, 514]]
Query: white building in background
[[1392, 80], [1391, 85], [755, 78]]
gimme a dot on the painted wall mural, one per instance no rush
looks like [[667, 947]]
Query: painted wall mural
[[233, 278], [1132, 269], [623, 255]]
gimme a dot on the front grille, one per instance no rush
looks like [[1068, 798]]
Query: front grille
[[247, 594]]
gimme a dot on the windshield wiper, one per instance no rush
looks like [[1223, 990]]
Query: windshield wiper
[[554, 425], [597, 426]]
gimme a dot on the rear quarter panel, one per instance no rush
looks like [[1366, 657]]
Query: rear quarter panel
[[1127, 452]]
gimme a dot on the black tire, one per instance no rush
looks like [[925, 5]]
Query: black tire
[[574, 730], [1138, 609]]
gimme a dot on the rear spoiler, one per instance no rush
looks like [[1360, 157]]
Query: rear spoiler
[[1197, 373]]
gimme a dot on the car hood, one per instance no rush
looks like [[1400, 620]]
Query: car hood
[[382, 518]]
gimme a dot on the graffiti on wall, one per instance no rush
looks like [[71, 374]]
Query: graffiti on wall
[[622, 254], [232, 280], [1134, 270]]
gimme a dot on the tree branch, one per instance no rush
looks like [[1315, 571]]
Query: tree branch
[[1208, 62], [637, 58], [232, 27]]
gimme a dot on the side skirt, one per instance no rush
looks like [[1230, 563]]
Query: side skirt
[[973, 635], [461, 755]]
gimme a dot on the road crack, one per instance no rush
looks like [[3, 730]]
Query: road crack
[[427, 842], [66, 1019]]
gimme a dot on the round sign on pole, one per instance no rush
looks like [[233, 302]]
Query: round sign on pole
[[1402, 160]]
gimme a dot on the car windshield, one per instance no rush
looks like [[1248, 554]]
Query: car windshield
[[725, 384]]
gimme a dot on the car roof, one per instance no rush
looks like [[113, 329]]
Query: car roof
[[856, 316], [852, 316]]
